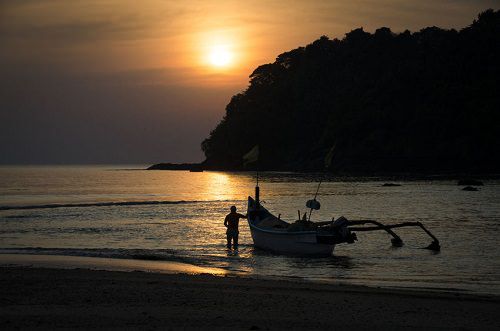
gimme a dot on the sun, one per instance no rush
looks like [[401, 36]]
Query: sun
[[220, 56]]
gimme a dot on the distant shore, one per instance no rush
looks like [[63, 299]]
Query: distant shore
[[176, 166], [197, 167], [48, 298]]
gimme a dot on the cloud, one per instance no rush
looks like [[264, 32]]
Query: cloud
[[73, 21]]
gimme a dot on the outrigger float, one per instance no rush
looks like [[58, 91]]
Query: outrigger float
[[307, 238]]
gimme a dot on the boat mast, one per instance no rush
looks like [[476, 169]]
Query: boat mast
[[257, 190], [315, 195], [328, 161], [251, 157]]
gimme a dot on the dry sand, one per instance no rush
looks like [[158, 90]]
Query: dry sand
[[45, 298]]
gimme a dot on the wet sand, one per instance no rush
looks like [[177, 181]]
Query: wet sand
[[49, 298]]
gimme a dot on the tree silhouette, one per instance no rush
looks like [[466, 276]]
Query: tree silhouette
[[391, 102]]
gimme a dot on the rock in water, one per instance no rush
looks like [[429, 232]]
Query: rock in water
[[470, 182]]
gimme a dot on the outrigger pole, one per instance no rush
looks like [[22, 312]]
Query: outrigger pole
[[396, 240]]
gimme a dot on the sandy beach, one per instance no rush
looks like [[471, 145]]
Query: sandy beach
[[52, 298]]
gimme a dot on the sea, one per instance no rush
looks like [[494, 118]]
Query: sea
[[125, 212]]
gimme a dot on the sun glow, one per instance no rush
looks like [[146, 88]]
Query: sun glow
[[220, 56]]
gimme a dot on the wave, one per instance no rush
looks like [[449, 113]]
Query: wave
[[116, 253], [23, 216], [108, 204], [203, 259]]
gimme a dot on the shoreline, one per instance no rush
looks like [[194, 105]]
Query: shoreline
[[104, 264], [47, 298], [163, 267], [166, 267]]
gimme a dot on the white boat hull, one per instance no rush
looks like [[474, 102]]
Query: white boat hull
[[290, 243], [284, 242]]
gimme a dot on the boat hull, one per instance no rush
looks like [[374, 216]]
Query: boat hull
[[301, 243], [290, 243]]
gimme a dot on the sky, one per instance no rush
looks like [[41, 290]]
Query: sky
[[141, 82]]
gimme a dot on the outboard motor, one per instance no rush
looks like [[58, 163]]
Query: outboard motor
[[337, 233], [342, 232]]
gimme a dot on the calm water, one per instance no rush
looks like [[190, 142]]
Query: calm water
[[178, 216]]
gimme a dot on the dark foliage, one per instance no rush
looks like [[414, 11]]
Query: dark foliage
[[390, 103]]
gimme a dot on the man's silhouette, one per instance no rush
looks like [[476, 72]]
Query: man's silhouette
[[231, 223]]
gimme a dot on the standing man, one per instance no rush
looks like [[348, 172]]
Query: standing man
[[231, 223]]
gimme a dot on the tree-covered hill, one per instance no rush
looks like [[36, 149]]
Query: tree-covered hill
[[423, 102]]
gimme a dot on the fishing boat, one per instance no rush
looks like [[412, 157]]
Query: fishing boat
[[306, 238]]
